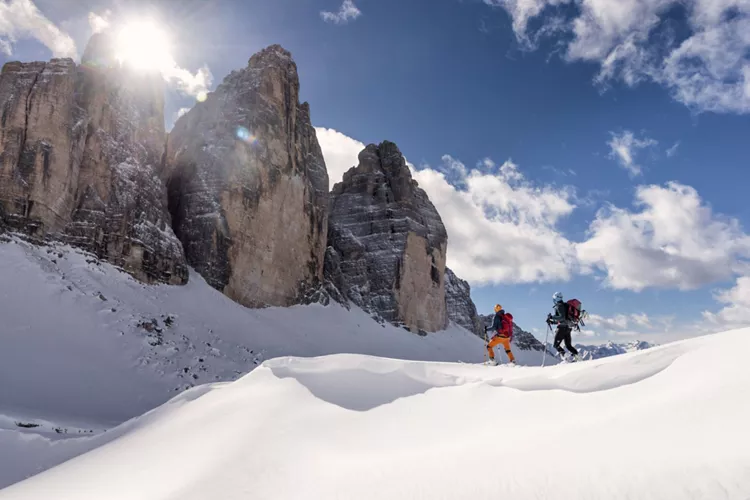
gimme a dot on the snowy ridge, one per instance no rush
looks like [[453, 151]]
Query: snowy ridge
[[611, 349], [352, 426]]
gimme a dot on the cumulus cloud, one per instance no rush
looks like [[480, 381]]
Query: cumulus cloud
[[21, 19], [346, 13], [706, 67], [625, 147], [501, 227], [674, 241], [187, 82], [736, 310], [99, 23], [340, 152]]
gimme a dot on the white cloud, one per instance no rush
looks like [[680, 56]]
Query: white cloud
[[673, 150], [340, 152], [522, 11], [619, 322], [624, 148], [504, 229], [501, 228], [21, 19], [180, 112], [634, 40], [736, 310], [674, 241], [184, 80], [347, 12], [6, 47], [99, 23]]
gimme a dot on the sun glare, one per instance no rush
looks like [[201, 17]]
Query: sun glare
[[143, 45]]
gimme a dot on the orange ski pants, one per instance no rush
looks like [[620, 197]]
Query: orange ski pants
[[500, 340]]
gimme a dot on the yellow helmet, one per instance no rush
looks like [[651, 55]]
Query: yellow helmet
[[498, 308]]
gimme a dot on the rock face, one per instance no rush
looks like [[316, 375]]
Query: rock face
[[248, 187], [81, 156], [459, 306], [387, 242]]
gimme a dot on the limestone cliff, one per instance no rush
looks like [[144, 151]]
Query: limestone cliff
[[248, 187], [460, 308], [388, 243], [81, 157]]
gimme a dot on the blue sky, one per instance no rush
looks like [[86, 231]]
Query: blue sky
[[598, 148]]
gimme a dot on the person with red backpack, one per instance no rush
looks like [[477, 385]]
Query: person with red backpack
[[566, 316], [502, 325]]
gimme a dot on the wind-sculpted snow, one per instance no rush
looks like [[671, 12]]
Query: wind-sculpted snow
[[668, 422]]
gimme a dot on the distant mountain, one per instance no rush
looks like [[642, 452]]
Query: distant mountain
[[611, 349]]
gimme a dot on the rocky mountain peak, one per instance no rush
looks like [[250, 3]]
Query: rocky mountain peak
[[81, 154], [460, 308], [388, 242], [248, 186], [273, 55], [99, 50]]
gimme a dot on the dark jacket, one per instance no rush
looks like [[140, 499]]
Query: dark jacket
[[560, 314]]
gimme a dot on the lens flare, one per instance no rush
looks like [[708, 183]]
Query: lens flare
[[201, 97], [245, 135]]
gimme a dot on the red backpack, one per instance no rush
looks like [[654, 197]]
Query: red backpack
[[574, 313], [507, 325]]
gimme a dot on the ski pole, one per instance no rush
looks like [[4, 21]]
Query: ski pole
[[486, 344], [546, 336]]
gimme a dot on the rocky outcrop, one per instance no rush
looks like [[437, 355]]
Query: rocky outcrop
[[387, 242], [81, 158], [248, 187], [459, 306]]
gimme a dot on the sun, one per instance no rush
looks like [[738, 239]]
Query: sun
[[144, 45]]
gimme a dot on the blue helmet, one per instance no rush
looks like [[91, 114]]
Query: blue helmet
[[557, 297]]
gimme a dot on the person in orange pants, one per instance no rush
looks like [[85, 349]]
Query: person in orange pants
[[502, 325]]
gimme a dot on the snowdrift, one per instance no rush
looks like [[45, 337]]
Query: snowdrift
[[670, 422], [85, 346]]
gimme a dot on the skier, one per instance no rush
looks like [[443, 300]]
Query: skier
[[564, 326], [502, 325]]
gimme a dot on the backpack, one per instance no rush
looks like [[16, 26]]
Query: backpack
[[507, 325], [574, 313]]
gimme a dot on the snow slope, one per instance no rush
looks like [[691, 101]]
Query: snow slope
[[668, 422], [84, 347]]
